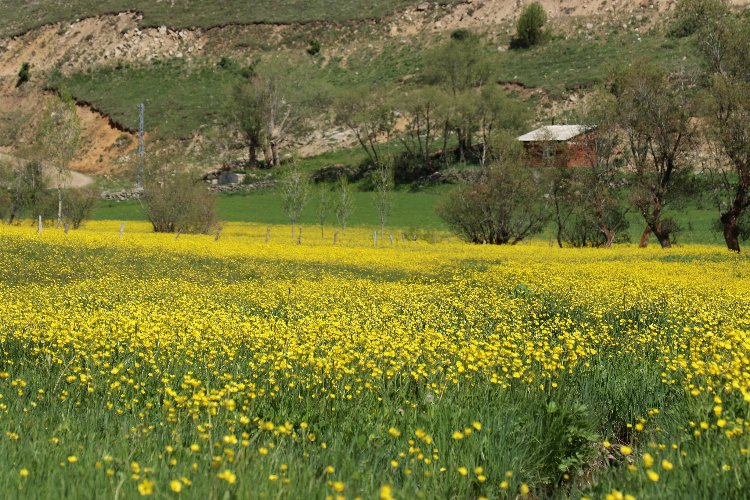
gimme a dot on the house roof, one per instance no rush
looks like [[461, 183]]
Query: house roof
[[553, 133]]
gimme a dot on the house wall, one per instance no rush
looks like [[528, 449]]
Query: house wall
[[576, 152]]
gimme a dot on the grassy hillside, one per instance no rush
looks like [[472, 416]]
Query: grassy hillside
[[181, 98], [20, 16]]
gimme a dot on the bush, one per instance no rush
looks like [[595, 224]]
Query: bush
[[180, 203], [78, 204], [504, 205], [529, 26], [314, 48], [24, 74]]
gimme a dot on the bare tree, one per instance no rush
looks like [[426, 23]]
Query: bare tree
[[294, 189], [60, 137], [324, 207], [343, 205], [655, 111], [383, 193]]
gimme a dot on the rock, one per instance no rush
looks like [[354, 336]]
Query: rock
[[438, 24], [589, 26], [423, 6]]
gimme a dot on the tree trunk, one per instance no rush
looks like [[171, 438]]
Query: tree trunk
[[644, 237], [59, 206], [275, 153], [609, 234], [252, 151], [731, 230]]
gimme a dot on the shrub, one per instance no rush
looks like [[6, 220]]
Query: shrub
[[180, 203], [313, 48], [529, 27], [24, 74], [504, 205], [78, 204]]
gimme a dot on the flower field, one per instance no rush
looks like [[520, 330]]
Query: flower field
[[163, 366]]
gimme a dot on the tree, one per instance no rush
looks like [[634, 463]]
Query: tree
[[425, 118], [601, 212], [529, 27], [324, 207], [294, 190], [505, 204], [461, 67], [59, 137], [78, 204], [247, 113], [654, 111], [175, 199], [24, 190], [725, 40], [343, 203], [369, 117], [383, 193]]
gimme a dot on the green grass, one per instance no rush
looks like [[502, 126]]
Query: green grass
[[19, 17], [560, 63], [410, 210], [179, 99]]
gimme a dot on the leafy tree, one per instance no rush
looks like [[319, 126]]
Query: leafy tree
[[294, 190], [177, 200], [505, 204], [654, 111], [78, 205], [530, 27], [729, 118], [369, 116], [691, 16], [600, 211], [425, 114], [60, 137], [246, 109]]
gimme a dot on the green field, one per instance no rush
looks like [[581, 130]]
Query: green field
[[20, 16], [411, 211]]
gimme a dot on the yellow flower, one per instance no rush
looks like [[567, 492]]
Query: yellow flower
[[504, 485], [726, 467], [721, 422], [477, 426], [394, 432], [463, 471], [72, 459], [648, 460], [338, 486], [175, 486], [227, 476], [626, 450], [24, 472], [606, 444], [195, 447], [458, 435], [146, 488], [524, 489], [653, 476], [394, 464], [330, 469], [273, 477], [666, 464], [478, 470], [386, 492]]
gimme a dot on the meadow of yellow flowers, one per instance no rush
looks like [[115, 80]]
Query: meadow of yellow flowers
[[158, 366]]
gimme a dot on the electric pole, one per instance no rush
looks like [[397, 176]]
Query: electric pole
[[141, 147]]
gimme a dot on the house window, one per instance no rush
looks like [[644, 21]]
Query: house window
[[547, 152]]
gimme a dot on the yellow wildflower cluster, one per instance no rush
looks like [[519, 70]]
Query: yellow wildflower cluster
[[202, 331]]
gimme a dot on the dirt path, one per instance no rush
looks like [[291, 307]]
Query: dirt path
[[74, 180]]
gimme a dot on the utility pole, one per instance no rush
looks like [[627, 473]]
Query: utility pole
[[141, 147]]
